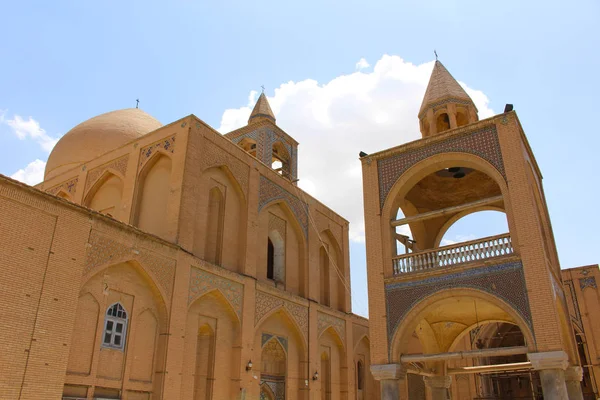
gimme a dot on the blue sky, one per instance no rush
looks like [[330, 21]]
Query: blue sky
[[65, 61]]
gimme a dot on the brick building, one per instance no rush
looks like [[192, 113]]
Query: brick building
[[173, 262], [483, 319]]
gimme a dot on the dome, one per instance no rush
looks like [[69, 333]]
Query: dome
[[96, 136]]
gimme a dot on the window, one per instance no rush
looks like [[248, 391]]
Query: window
[[360, 375], [115, 327], [270, 260]]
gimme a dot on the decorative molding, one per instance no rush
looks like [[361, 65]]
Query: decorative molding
[[104, 250], [267, 336], [505, 281], [587, 282], [202, 282], [265, 303], [69, 186], [325, 321], [482, 143], [270, 191], [119, 165], [167, 144]]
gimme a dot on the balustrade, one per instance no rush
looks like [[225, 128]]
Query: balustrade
[[475, 250]]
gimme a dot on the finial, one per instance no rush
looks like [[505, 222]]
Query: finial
[[263, 88], [137, 103], [436, 56]]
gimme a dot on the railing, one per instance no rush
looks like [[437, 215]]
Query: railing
[[460, 253]]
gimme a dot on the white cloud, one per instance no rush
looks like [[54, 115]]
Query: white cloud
[[32, 174], [362, 64], [457, 239], [334, 121], [29, 129]]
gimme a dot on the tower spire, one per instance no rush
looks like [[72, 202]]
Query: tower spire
[[445, 104], [262, 110]]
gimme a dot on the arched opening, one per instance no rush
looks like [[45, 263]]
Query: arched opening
[[334, 372], [219, 222], [471, 226], [325, 374], [214, 226], [153, 195], [324, 274], [266, 393], [430, 202], [280, 355], [502, 384], [105, 196], [360, 376], [442, 122], [127, 335], [276, 257], [212, 349], [249, 146], [461, 118], [205, 360], [280, 159]]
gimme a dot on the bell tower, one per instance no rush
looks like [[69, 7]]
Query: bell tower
[[445, 105], [439, 311]]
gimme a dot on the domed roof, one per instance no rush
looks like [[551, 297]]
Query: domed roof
[[96, 136]]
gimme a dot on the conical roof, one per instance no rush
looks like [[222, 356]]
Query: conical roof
[[442, 85], [262, 109]]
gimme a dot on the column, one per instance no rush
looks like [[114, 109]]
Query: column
[[389, 376], [438, 385], [573, 377], [551, 366]]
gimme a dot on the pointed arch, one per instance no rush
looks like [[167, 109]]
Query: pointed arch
[[267, 392], [281, 160], [217, 293], [277, 215], [106, 194], [152, 194], [337, 274], [455, 218], [415, 316], [219, 226], [282, 309]]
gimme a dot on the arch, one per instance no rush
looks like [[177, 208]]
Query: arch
[[290, 318], [267, 392], [211, 348], [469, 328], [106, 194], [220, 216], [280, 155], [214, 226], [334, 333], [138, 265], [418, 311], [152, 195], [337, 283], [334, 371], [455, 218], [442, 122], [218, 293], [360, 375], [296, 274], [249, 145], [276, 256], [407, 180], [325, 375]]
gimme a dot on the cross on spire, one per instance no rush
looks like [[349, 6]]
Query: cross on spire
[[263, 88], [436, 56], [137, 103]]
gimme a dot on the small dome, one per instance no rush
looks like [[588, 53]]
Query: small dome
[[96, 136]]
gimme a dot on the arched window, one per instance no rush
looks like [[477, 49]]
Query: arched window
[[443, 122], [360, 375], [324, 276], [115, 327], [280, 159], [214, 229], [249, 145], [270, 260]]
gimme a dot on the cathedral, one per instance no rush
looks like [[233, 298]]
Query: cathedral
[[168, 262]]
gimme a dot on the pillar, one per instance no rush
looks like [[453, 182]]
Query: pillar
[[389, 376], [438, 386], [573, 377], [551, 366]]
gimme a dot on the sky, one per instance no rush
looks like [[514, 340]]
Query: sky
[[341, 76]]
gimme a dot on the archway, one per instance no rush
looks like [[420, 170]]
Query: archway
[[106, 195], [212, 349], [273, 369], [334, 371], [152, 195]]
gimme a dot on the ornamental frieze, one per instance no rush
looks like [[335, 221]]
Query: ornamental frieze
[[202, 282], [265, 303]]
